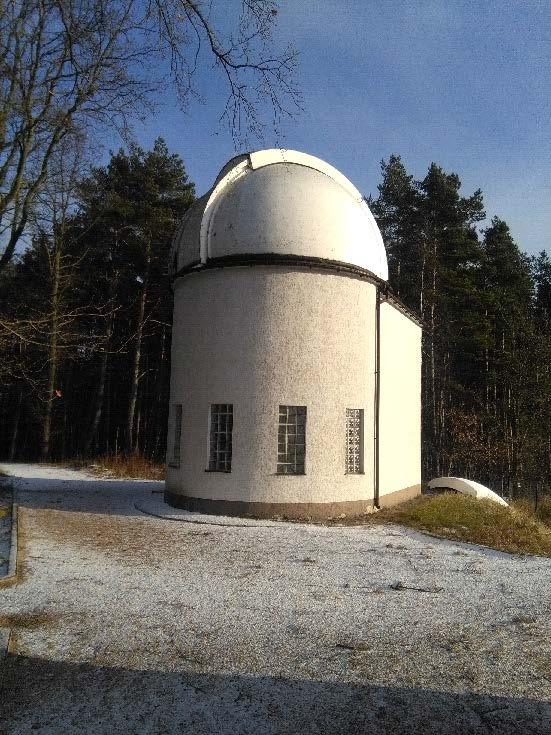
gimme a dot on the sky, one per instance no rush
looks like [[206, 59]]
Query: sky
[[464, 84]]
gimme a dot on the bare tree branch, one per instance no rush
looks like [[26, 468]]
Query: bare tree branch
[[67, 65]]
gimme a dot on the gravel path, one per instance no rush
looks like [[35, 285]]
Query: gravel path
[[128, 623]]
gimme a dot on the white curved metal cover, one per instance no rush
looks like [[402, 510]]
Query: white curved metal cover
[[467, 487], [284, 202]]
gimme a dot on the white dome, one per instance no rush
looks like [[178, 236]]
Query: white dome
[[281, 203]]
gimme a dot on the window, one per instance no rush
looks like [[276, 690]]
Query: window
[[174, 460], [220, 437], [291, 440], [354, 441]]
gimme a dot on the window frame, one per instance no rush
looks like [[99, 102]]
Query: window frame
[[359, 442], [175, 445], [218, 429], [297, 466]]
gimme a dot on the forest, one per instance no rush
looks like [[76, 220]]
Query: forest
[[85, 319], [486, 313], [86, 312]]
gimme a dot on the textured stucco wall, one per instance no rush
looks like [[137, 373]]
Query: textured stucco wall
[[263, 336], [400, 402]]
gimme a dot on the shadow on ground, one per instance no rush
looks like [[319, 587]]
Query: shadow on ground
[[39, 696], [110, 497]]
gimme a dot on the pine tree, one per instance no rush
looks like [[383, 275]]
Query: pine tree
[[397, 210], [134, 204]]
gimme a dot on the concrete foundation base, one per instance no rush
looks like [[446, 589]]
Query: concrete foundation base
[[291, 511]]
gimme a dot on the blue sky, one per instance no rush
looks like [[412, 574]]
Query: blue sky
[[464, 84]]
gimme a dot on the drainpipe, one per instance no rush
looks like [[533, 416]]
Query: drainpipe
[[377, 393]]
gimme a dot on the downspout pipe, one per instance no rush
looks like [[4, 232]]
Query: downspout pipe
[[377, 395]]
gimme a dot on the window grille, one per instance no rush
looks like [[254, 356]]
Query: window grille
[[220, 438], [291, 446], [354, 441], [176, 435]]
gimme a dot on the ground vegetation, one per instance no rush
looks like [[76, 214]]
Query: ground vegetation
[[518, 529]]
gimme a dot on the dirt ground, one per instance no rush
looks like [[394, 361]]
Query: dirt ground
[[126, 623]]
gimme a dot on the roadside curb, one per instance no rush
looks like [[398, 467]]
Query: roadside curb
[[12, 561], [11, 578], [13, 572]]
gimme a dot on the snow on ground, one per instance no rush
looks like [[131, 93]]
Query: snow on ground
[[129, 623]]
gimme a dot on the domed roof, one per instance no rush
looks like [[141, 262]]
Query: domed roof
[[280, 203]]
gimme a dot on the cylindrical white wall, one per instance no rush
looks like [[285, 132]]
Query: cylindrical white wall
[[258, 337], [399, 406]]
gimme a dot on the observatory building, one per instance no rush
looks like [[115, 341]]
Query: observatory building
[[296, 375]]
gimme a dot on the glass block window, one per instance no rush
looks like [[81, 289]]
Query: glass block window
[[174, 459], [354, 441], [291, 440], [220, 437]]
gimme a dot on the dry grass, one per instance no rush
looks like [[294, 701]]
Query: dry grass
[[543, 510], [133, 466], [462, 518]]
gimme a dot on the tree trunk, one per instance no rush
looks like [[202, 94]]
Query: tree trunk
[[136, 448], [15, 430], [160, 423], [52, 355], [66, 435], [91, 443], [135, 377]]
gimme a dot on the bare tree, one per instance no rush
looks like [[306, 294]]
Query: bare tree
[[64, 332], [77, 64], [253, 72], [51, 227]]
